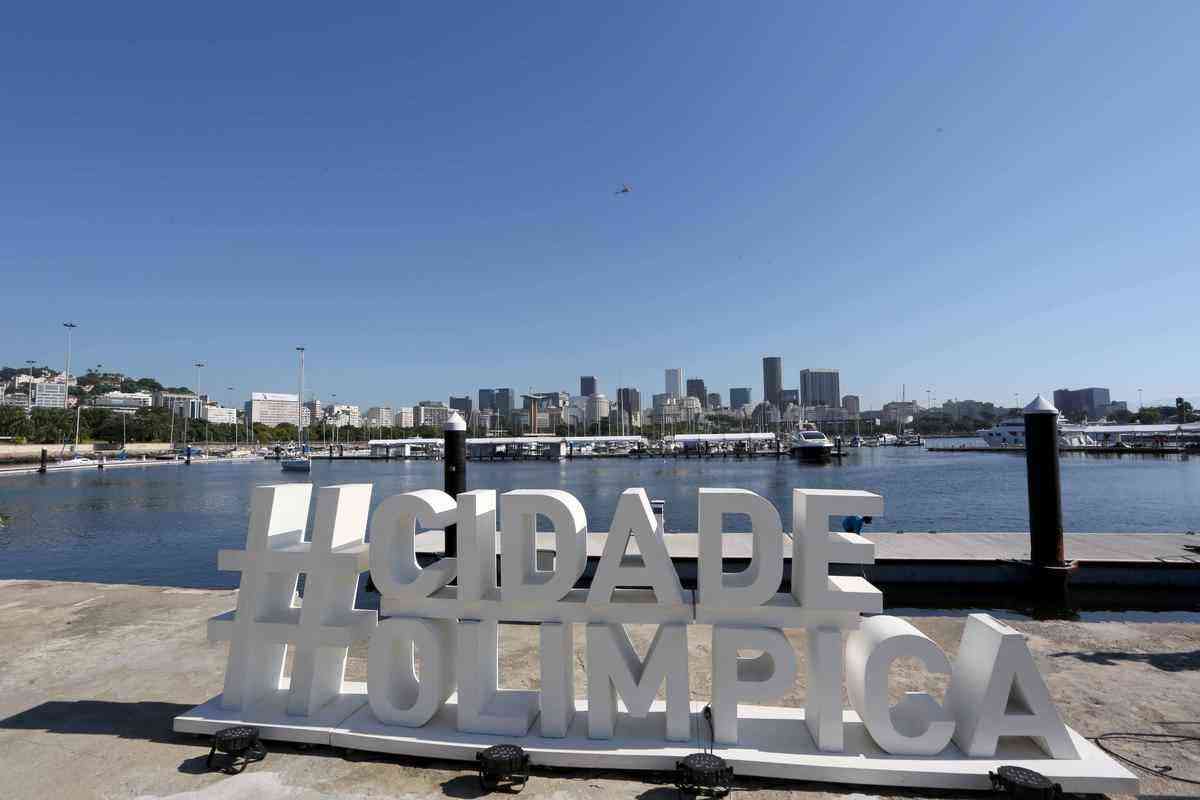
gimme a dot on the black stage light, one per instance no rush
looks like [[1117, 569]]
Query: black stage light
[[506, 764], [703, 775], [1024, 784], [241, 744]]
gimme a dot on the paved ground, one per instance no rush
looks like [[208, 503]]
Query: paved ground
[[92, 675]]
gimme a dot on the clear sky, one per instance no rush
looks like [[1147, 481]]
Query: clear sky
[[982, 199]]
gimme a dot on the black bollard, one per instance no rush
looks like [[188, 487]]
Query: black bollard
[[1051, 570], [455, 471], [42, 468]]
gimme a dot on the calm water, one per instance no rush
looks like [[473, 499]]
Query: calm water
[[164, 524]]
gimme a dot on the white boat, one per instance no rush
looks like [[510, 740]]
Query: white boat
[[1011, 433], [811, 445], [887, 439], [77, 461]]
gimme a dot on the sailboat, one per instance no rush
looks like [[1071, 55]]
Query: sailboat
[[298, 461]]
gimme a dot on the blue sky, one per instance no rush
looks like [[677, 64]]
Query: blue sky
[[979, 199]]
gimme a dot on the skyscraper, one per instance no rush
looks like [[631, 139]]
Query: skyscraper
[[714, 401], [587, 385], [674, 382], [487, 399], [629, 400], [772, 379], [738, 397], [504, 403], [461, 404], [852, 403], [696, 389], [820, 387]]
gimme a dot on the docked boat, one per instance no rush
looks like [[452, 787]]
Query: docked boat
[[1010, 433], [810, 444]]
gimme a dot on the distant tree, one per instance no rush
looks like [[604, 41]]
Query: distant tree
[[1183, 410], [1122, 416], [1149, 416], [14, 422]]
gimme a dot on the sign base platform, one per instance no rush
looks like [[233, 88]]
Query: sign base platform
[[774, 743]]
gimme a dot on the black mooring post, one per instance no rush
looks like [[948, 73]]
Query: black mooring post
[[1051, 570], [455, 465], [45, 457]]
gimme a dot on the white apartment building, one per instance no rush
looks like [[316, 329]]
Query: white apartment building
[[403, 417], [217, 414], [49, 395], [123, 402], [380, 416], [430, 415], [274, 408], [343, 415]]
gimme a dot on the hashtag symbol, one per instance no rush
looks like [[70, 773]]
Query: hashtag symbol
[[267, 619]]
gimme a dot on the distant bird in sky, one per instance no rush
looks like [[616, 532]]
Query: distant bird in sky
[[625, 189]]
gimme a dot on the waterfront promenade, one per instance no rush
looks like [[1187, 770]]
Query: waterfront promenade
[[92, 674]]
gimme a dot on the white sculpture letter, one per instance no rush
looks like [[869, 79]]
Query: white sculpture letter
[[556, 698], [521, 580], [396, 695], [482, 706], [995, 690], [814, 548], [614, 668], [634, 518], [477, 545], [278, 517], [917, 725], [759, 582], [735, 679], [329, 622], [823, 700], [394, 567]]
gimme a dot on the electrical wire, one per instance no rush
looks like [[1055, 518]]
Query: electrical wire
[[1160, 770]]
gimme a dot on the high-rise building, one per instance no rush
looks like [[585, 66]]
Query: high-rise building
[[430, 412], [628, 407], [674, 382], [820, 387], [403, 417], [504, 403], [1093, 401], [714, 401], [462, 405], [268, 408], [789, 397], [696, 389], [772, 379], [587, 385], [852, 403], [380, 416], [487, 399], [629, 400], [188, 404], [739, 396], [49, 395]]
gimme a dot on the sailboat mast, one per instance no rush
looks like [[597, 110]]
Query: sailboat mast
[[300, 403]]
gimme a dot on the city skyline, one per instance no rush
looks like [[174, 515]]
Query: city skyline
[[466, 398], [946, 201]]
